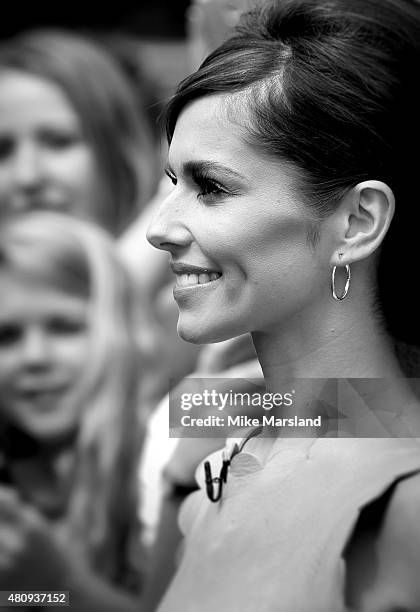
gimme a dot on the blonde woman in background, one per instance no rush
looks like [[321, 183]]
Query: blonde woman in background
[[73, 137], [70, 432]]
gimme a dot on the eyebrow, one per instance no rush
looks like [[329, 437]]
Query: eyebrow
[[192, 168]]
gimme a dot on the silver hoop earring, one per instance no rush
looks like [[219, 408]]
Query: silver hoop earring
[[346, 286]]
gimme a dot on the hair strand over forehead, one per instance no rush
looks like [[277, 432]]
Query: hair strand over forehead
[[330, 86]]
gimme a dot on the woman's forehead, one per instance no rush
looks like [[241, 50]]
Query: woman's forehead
[[204, 126], [40, 94], [208, 131]]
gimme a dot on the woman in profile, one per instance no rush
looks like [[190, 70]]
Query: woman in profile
[[70, 430], [294, 217]]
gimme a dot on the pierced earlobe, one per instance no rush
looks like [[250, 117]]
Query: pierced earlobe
[[346, 286]]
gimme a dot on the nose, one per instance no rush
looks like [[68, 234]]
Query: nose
[[169, 229], [36, 351], [27, 168]]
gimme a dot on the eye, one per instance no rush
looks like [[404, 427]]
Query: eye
[[9, 334], [59, 140], [209, 187], [171, 176], [62, 326]]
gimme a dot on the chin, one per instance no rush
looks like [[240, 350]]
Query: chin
[[48, 429], [47, 432], [204, 333]]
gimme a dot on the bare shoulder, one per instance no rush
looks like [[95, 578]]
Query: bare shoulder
[[383, 566], [402, 519], [398, 545]]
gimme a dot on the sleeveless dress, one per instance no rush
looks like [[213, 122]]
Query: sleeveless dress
[[274, 541]]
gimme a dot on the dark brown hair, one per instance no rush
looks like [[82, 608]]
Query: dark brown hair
[[331, 86]]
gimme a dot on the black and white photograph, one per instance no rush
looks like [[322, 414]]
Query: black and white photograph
[[209, 321]]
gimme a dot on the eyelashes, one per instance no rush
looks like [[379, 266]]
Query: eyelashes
[[205, 183], [171, 176], [54, 326], [53, 140]]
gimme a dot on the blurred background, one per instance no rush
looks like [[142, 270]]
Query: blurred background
[[146, 18], [156, 28], [88, 341]]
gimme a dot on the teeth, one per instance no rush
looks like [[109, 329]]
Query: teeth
[[189, 280], [203, 278]]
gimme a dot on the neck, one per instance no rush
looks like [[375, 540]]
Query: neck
[[335, 343], [332, 346]]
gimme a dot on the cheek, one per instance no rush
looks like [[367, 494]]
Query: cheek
[[276, 267], [9, 368], [9, 362], [81, 178], [5, 181], [78, 168], [266, 245], [73, 353]]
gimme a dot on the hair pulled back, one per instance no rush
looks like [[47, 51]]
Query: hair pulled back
[[330, 85]]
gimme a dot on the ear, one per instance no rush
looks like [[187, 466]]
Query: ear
[[363, 219]]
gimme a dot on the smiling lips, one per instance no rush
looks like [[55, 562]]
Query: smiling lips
[[190, 276]]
